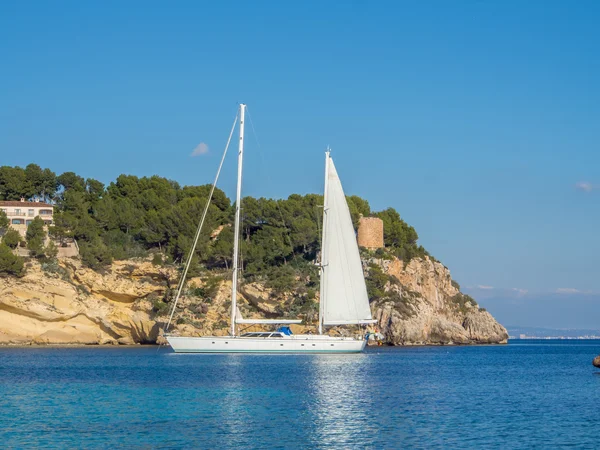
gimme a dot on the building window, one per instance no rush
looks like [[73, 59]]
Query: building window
[[17, 212], [45, 212], [17, 221], [28, 222], [30, 212]]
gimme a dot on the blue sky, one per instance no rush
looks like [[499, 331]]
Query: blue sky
[[474, 119]]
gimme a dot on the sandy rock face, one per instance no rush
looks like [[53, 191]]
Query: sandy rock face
[[260, 297], [74, 305]]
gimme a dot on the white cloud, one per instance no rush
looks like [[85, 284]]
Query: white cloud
[[490, 292], [201, 149], [520, 291], [585, 186], [568, 291]]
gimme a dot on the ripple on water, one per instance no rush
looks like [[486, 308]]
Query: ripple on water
[[539, 394]]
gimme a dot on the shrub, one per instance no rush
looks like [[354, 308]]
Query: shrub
[[51, 251], [403, 305], [463, 302], [10, 264], [221, 324], [12, 238], [157, 259], [95, 254], [208, 291], [382, 253], [50, 266], [302, 305], [159, 307], [83, 289], [376, 281], [280, 279]]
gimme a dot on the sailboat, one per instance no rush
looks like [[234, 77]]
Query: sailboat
[[343, 292]]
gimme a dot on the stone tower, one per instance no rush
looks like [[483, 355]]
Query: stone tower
[[370, 232]]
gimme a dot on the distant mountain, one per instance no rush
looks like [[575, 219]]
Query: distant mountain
[[516, 332]]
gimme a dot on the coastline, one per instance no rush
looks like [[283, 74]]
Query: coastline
[[138, 345]]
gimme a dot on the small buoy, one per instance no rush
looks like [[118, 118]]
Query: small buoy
[[596, 361]]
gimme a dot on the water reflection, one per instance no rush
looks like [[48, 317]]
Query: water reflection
[[236, 415], [340, 399]]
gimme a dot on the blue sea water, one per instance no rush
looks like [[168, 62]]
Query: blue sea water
[[542, 394]]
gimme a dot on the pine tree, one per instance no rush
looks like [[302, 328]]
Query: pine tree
[[12, 238], [10, 264], [35, 237]]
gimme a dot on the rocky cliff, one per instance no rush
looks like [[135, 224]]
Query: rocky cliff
[[423, 305], [66, 303]]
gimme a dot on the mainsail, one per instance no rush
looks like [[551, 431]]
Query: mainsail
[[344, 298]]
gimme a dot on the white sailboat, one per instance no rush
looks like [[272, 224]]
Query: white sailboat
[[343, 294]]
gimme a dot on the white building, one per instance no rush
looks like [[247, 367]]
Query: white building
[[21, 213]]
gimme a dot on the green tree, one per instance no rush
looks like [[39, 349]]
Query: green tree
[[10, 264], [4, 222], [399, 236], [219, 199], [35, 237], [95, 254], [12, 238], [135, 216], [85, 229], [39, 182], [60, 230], [49, 185], [222, 250], [153, 230], [127, 216], [34, 180], [358, 208], [75, 202], [71, 181], [51, 250], [13, 183], [94, 189], [304, 233]]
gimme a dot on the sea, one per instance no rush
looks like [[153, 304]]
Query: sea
[[527, 394]]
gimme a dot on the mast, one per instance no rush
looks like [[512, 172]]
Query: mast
[[323, 246], [236, 234]]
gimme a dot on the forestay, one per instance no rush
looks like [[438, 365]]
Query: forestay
[[344, 292]]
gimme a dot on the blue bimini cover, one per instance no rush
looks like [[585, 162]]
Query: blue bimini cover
[[285, 330]]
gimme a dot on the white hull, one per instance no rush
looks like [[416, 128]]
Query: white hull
[[288, 344]]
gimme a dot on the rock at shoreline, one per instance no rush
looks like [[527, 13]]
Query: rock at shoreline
[[73, 305], [424, 307], [124, 305], [596, 361]]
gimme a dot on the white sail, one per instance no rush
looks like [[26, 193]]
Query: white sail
[[344, 296]]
